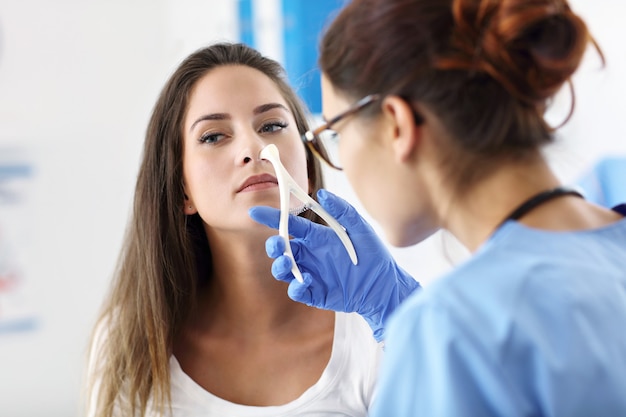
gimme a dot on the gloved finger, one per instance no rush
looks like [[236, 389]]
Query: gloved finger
[[300, 226], [267, 216], [281, 269], [299, 291], [340, 209], [299, 251], [275, 246]]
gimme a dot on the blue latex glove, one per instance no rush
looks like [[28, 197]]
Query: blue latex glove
[[373, 288]]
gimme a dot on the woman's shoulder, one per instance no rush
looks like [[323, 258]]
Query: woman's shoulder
[[355, 362], [354, 344]]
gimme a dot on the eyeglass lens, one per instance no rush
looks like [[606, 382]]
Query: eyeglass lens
[[327, 145]]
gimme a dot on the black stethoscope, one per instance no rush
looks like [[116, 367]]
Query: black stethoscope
[[539, 199]]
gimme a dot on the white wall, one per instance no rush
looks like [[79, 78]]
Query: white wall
[[597, 128], [77, 83]]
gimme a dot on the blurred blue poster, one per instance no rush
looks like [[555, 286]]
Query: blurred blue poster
[[16, 172], [605, 183], [300, 23]]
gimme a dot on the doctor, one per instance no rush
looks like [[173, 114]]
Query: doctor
[[439, 106]]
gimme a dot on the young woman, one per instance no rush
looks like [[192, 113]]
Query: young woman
[[194, 324], [439, 106]]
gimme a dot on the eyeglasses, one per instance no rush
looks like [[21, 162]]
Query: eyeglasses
[[322, 141]]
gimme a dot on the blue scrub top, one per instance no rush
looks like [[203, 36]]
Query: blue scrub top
[[532, 325]]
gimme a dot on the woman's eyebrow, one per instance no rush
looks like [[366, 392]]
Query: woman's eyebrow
[[212, 116], [267, 107], [225, 116]]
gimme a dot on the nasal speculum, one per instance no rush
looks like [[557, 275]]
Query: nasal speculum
[[287, 186]]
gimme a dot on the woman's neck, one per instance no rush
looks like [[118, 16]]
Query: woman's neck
[[246, 340], [241, 295]]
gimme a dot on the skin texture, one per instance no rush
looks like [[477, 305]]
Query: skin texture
[[394, 167], [247, 342], [253, 113]]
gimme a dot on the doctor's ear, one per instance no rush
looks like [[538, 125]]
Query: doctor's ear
[[405, 124]]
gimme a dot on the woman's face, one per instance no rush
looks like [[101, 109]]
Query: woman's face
[[389, 189], [233, 112]]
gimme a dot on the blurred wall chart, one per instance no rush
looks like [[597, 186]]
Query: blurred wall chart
[[16, 174]]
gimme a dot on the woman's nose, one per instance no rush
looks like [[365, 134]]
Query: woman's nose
[[250, 148]]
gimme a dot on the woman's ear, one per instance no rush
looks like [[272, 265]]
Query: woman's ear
[[405, 131], [188, 207]]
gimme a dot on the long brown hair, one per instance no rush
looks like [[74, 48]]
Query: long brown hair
[[165, 254], [486, 68]]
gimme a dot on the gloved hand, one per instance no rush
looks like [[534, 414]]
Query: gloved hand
[[373, 288]]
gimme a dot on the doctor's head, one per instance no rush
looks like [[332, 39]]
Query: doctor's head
[[453, 89]]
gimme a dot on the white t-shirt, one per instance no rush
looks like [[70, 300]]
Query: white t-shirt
[[345, 388]]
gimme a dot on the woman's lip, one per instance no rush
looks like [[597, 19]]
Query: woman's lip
[[259, 186], [258, 182]]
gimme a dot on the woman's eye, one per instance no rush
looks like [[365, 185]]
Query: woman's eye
[[211, 137], [273, 127]]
